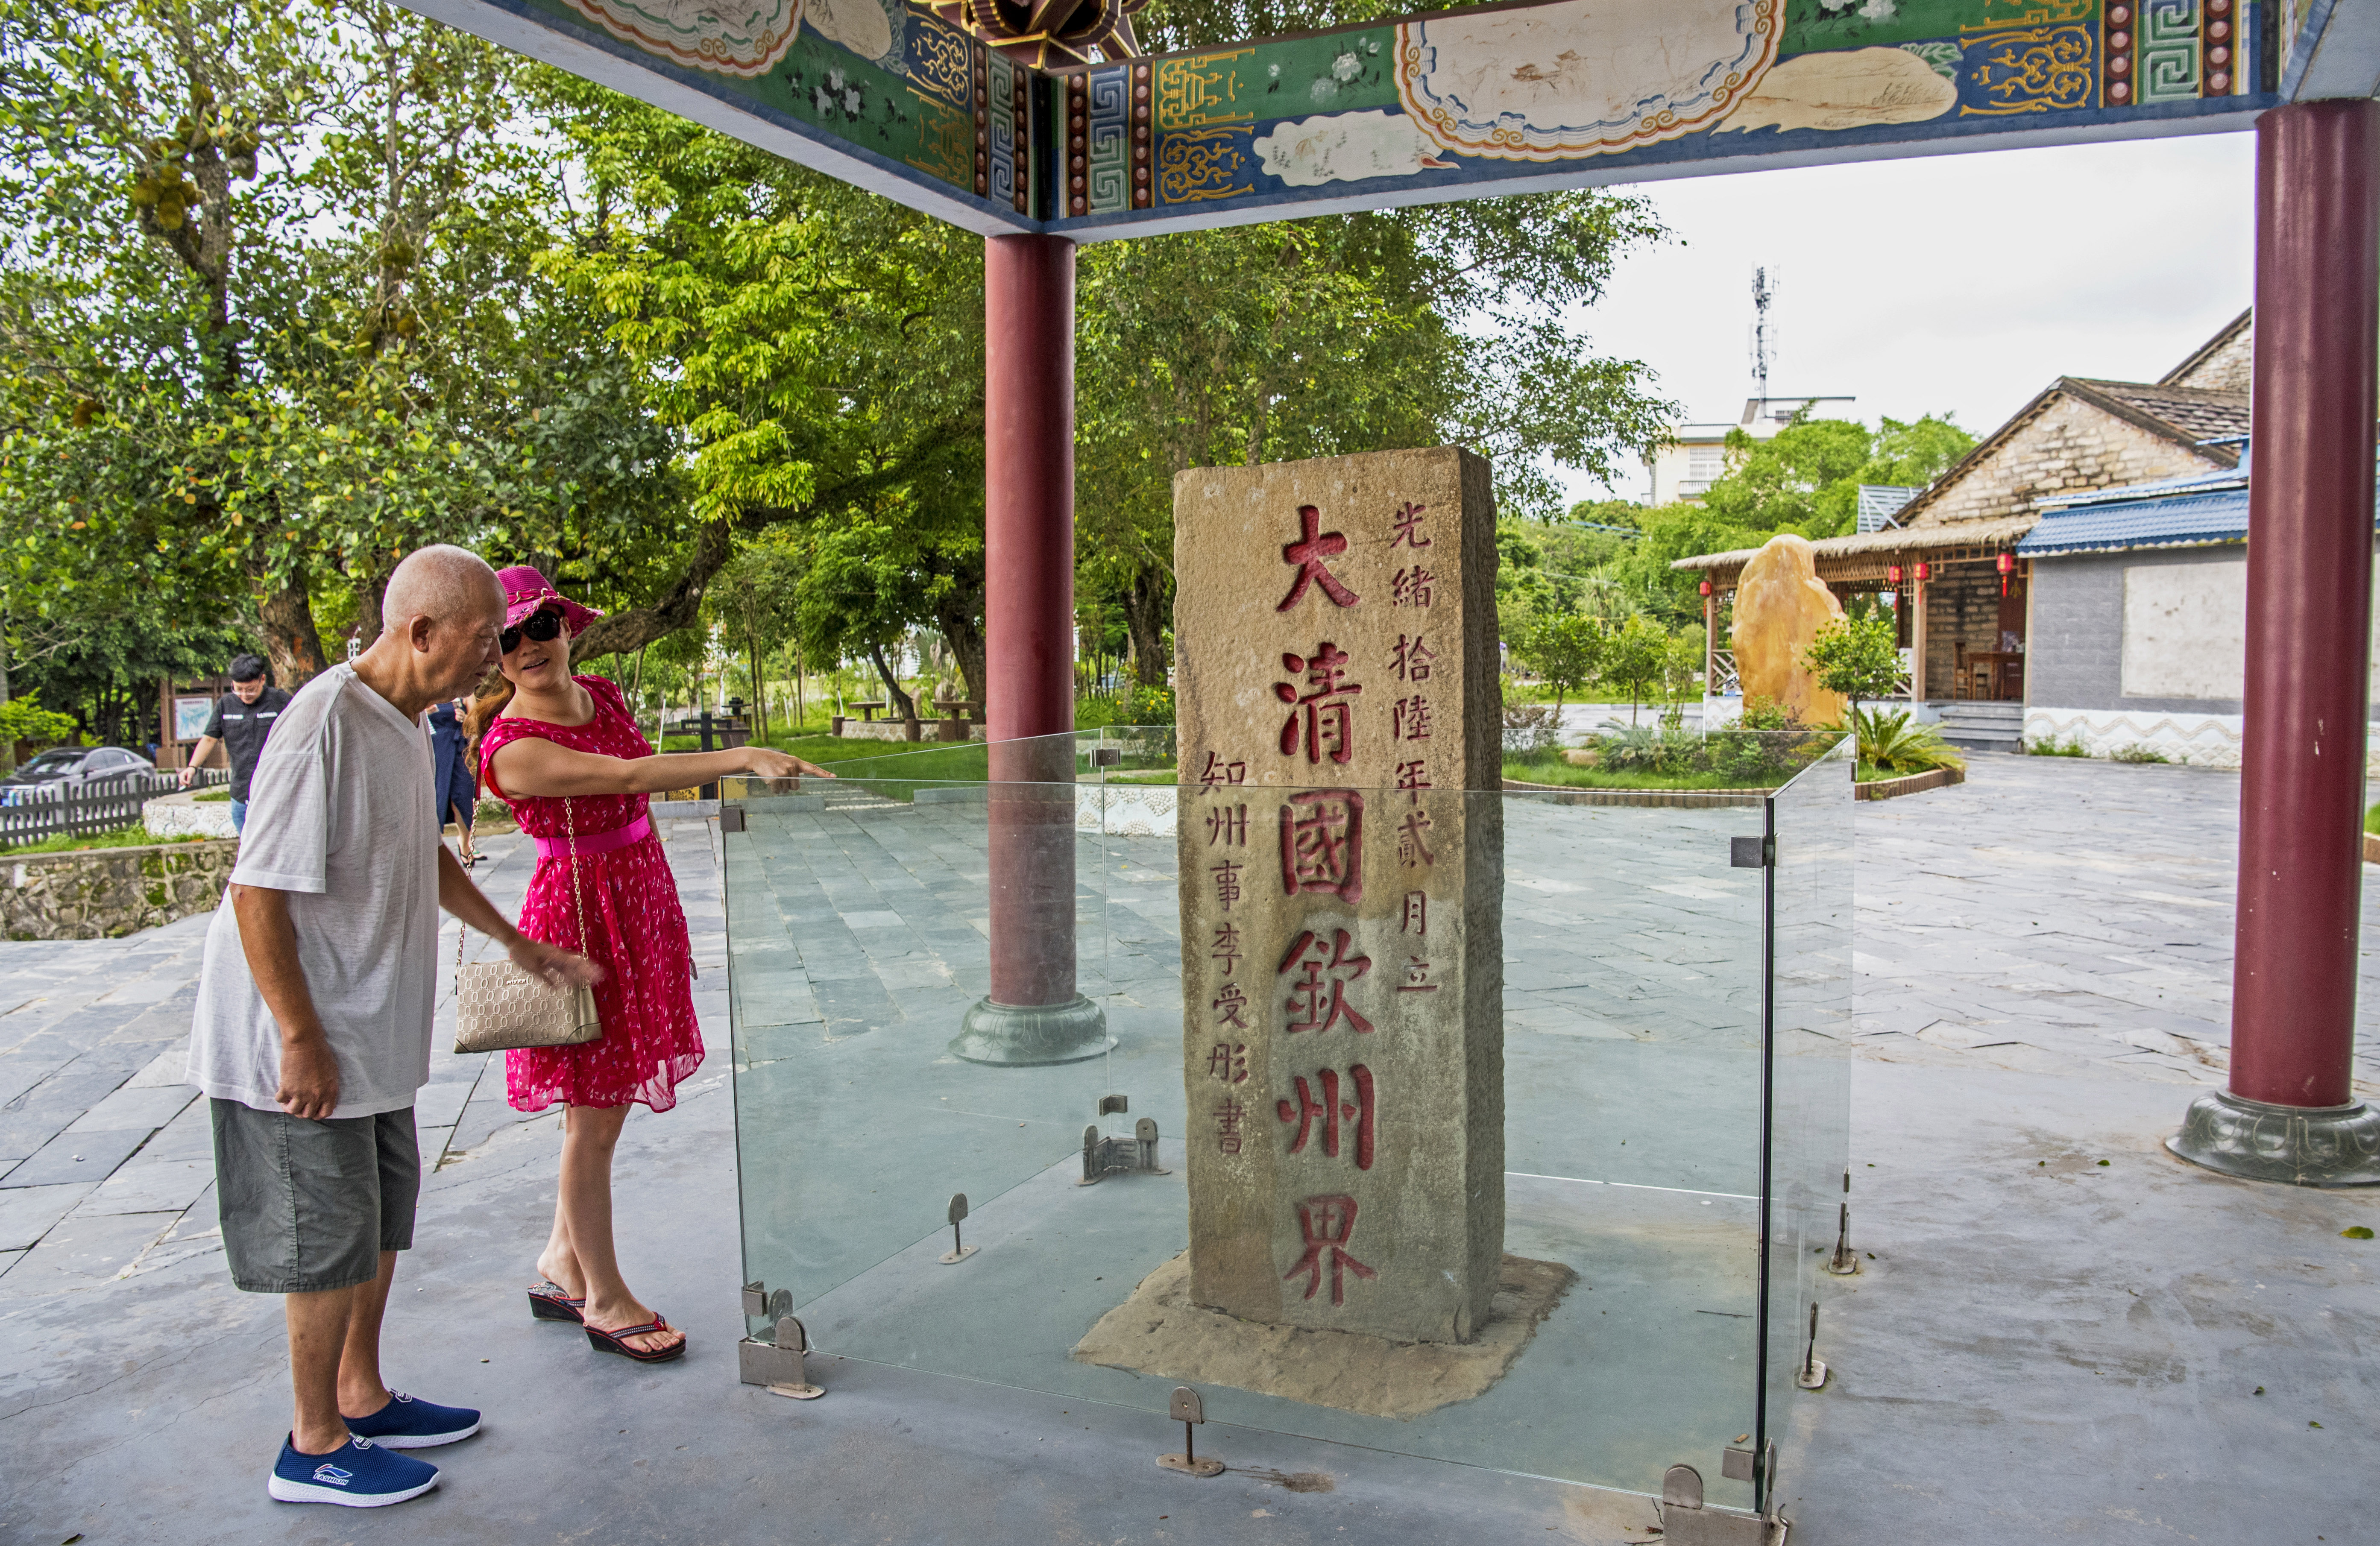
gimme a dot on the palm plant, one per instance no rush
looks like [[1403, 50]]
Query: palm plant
[[1894, 741]]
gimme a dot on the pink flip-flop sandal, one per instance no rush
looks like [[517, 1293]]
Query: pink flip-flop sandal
[[616, 1342], [548, 1302]]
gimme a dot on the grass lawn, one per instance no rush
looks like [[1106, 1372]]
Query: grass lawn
[[123, 836], [1563, 773], [205, 795]]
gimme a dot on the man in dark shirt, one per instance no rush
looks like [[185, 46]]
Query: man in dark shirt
[[243, 718]]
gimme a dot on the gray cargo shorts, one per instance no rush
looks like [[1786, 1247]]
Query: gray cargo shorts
[[309, 1206]]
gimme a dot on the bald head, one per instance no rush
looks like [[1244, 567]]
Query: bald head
[[442, 583], [442, 617]]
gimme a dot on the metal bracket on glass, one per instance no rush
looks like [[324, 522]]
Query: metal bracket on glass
[[1686, 1522], [1751, 853], [1106, 756], [1812, 1375], [1103, 1157], [731, 817], [1189, 1411], [1113, 1105], [958, 1213], [780, 1362], [1845, 1261]]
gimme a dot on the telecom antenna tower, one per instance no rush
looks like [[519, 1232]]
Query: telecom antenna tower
[[1764, 333]]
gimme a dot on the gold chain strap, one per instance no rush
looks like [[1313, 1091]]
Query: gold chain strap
[[577, 897]]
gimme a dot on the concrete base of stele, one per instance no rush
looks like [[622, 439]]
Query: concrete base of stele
[[1032, 1035], [2304, 1146]]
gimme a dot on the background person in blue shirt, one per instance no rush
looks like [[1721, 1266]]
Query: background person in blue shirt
[[242, 720], [458, 792]]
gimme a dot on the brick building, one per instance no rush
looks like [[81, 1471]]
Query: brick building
[[1949, 566]]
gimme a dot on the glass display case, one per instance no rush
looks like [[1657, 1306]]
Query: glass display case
[[1675, 992]]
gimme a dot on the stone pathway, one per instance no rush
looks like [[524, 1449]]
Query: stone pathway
[[2057, 915], [106, 1163]]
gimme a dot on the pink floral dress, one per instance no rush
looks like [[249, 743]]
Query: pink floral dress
[[635, 928]]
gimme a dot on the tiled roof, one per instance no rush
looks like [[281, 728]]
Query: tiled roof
[[2201, 416], [2175, 521], [1915, 541], [2171, 512]]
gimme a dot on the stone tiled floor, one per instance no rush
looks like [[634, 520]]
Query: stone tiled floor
[[105, 1161], [2054, 915]]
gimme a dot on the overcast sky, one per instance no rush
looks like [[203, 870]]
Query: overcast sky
[[1960, 284]]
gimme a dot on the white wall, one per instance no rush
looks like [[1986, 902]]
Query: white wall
[[2185, 629]]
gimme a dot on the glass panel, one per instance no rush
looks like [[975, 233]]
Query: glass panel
[[1809, 1070], [862, 918]]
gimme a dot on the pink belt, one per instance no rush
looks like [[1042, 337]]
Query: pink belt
[[636, 831]]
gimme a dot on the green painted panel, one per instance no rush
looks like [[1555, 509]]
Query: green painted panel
[[829, 87], [1815, 25]]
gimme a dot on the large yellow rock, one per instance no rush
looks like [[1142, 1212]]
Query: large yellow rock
[[1780, 605]]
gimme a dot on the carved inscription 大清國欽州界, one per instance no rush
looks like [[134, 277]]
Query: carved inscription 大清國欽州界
[[1342, 1005]]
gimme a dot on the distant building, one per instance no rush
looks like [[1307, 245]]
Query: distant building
[[1951, 565], [1695, 456], [2140, 611]]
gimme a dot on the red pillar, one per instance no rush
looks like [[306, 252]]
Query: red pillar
[[1033, 1014], [2290, 1114]]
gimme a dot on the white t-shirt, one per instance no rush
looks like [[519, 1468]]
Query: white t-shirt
[[339, 817]]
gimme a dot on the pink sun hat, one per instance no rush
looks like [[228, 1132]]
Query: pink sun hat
[[526, 592]]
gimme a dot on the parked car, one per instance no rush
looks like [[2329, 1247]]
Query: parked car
[[64, 770]]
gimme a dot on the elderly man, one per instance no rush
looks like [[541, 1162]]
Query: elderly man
[[312, 1030]]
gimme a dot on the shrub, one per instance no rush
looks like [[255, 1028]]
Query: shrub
[[2138, 753], [1896, 742], [2070, 747], [1530, 727], [1152, 705]]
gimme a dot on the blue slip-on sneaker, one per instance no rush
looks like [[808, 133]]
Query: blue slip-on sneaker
[[360, 1473], [409, 1422]]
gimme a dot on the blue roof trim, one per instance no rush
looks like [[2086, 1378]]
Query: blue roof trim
[[2219, 515], [2133, 493]]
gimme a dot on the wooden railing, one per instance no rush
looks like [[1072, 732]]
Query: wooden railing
[[38, 811]]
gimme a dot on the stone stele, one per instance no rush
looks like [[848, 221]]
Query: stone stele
[[1780, 605], [1342, 934]]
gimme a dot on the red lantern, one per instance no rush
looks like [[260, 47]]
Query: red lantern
[[1892, 574], [1707, 587], [2008, 567], [1924, 573]]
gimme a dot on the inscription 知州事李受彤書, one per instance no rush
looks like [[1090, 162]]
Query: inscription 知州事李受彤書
[[1350, 760]]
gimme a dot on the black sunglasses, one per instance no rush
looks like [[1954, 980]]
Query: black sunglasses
[[545, 627]]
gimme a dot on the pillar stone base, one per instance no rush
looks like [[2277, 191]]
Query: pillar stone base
[[1031, 1035], [2304, 1146]]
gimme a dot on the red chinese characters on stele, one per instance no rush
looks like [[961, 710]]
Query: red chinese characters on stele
[[1322, 844], [1359, 1107], [1321, 719], [1328, 1223]]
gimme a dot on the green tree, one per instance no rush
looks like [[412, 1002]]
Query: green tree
[[1856, 656], [818, 348], [1567, 650], [1634, 655], [754, 604]]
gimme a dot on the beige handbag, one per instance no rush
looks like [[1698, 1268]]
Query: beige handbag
[[498, 1005]]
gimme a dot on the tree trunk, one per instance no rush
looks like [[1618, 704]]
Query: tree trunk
[[290, 641], [1146, 610], [960, 621], [639, 626], [899, 700], [371, 594]]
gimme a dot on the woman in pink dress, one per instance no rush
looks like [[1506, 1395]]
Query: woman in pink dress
[[564, 752]]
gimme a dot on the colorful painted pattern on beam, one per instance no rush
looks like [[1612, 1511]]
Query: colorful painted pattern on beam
[[1539, 94]]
